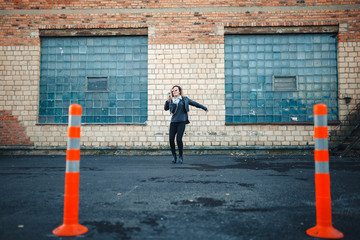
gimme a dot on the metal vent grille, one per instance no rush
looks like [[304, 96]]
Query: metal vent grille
[[285, 83], [97, 83]]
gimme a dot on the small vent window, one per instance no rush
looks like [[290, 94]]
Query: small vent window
[[97, 83], [285, 83]]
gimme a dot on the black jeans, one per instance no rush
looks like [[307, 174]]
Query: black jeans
[[178, 129]]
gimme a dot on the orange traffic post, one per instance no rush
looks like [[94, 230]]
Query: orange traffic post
[[323, 228], [70, 226]]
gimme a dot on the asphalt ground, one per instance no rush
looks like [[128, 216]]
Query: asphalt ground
[[147, 197]]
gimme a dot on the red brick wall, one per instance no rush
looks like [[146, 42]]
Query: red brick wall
[[12, 132], [79, 4], [179, 27]]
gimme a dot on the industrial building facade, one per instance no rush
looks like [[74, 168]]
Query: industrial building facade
[[259, 67]]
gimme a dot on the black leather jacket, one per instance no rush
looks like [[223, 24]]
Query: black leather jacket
[[188, 101]]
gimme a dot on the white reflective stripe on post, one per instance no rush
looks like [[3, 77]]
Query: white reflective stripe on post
[[321, 167], [321, 144], [74, 120], [72, 166], [320, 120], [73, 143]]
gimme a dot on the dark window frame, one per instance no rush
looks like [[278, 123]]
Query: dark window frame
[[93, 32], [100, 90]]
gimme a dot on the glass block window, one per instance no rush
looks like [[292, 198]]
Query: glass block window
[[107, 76], [279, 78]]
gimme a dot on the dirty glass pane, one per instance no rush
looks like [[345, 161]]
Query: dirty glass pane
[[105, 75], [279, 78], [97, 83]]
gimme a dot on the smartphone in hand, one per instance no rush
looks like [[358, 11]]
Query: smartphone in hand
[[168, 97]]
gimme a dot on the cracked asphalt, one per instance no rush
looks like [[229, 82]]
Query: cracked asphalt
[[147, 197]]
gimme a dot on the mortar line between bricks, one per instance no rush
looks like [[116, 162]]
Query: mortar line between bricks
[[181, 10]]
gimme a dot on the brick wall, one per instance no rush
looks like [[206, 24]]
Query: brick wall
[[186, 47], [199, 69], [349, 74], [178, 26], [12, 132], [108, 4], [19, 67]]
